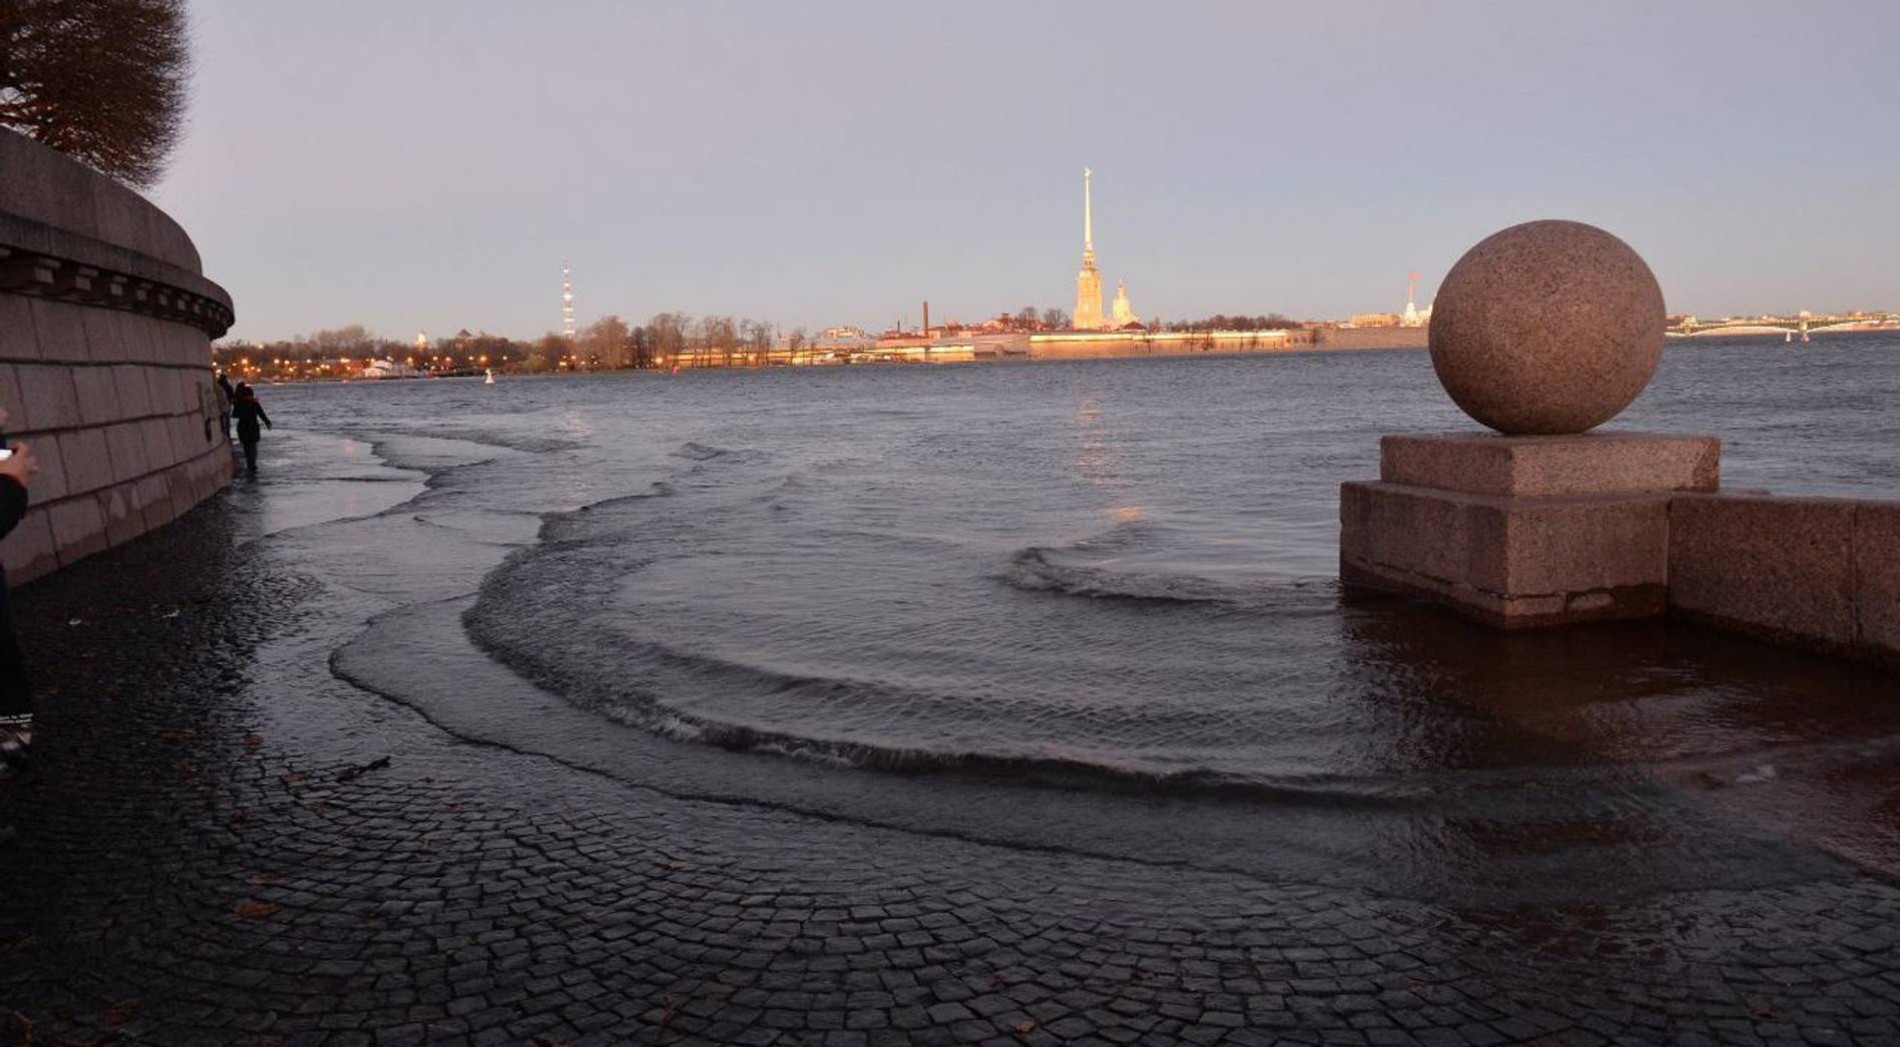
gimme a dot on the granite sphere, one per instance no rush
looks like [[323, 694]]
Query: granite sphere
[[1548, 327]]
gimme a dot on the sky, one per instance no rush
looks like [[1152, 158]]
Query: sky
[[427, 164]]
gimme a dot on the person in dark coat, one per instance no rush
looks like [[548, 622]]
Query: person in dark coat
[[16, 701], [248, 412]]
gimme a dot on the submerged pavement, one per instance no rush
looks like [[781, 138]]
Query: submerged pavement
[[228, 842]]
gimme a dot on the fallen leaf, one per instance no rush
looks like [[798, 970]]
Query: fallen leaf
[[254, 910], [260, 879], [293, 778], [173, 736], [1024, 1028], [253, 740]]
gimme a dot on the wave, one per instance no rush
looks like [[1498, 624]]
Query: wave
[[1092, 770], [1035, 569], [694, 451]]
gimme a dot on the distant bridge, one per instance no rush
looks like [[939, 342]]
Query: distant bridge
[[1802, 325]]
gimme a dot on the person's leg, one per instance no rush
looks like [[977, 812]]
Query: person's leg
[[16, 700], [250, 455]]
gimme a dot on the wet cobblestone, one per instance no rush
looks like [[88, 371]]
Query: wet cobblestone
[[207, 856]]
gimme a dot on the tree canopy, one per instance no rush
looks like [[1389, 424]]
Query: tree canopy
[[100, 80]]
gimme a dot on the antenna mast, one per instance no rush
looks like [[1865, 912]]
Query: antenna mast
[[567, 300]]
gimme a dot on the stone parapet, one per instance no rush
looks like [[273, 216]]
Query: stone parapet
[[1539, 531], [1821, 572], [105, 362]]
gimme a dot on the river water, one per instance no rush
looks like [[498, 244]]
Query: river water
[[1110, 577]]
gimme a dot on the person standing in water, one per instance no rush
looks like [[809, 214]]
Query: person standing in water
[[248, 412]]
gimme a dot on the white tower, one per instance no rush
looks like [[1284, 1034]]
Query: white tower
[[567, 301], [1411, 317]]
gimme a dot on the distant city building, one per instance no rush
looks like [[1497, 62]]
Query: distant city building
[[389, 369], [1373, 320], [846, 331], [422, 340]]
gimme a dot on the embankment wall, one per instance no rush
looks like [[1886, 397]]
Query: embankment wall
[[1372, 337], [106, 321]]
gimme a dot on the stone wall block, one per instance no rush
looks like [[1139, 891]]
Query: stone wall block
[[105, 336], [156, 435], [123, 522], [1394, 525], [51, 483], [195, 393], [55, 194], [1877, 576], [187, 342], [178, 490], [18, 339], [187, 436], [11, 400], [1576, 545], [61, 330], [1779, 567], [51, 400], [196, 348], [135, 390], [163, 384], [126, 447], [79, 529], [1593, 463], [98, 395], [142, 338], [30, 551], [124, 218], [152, 500], [88, 462]]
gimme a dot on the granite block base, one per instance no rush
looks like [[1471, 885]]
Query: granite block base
[[1524, 532]]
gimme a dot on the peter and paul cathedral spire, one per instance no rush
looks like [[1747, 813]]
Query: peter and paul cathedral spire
[[1088, 282]]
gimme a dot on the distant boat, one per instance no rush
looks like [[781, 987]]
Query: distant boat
[[1787, 336], [490, 380]]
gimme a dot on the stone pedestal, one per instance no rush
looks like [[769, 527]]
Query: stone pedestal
[[1524, 531]]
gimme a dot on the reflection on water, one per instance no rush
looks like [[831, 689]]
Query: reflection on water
[[1120, 575]]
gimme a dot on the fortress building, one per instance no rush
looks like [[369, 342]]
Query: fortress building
[[1088, 282]]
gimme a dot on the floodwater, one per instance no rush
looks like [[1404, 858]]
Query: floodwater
[[1094, 603]]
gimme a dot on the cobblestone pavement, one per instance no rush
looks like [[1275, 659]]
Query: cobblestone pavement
[[211, 854]]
